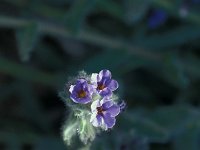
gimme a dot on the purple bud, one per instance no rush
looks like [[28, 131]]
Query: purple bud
[[122, 105]]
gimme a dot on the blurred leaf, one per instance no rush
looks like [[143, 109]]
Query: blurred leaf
[[135, 10], [143, 127], [78, 13], [118, 139], [50, 143], [111, 7], [174, 72], [161, 124], [57, 2], [26, 73], [7, 90], [106, 59], [26, 40], [16, 140], [30, 107], [47, 55], [191, 65], [172, 118], [72, 47], [113, 61], [188, 139], [174, 37]]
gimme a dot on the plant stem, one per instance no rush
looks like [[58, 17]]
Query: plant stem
[[84, 35]]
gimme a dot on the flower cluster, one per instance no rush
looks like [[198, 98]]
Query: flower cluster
[[93, 106], [97, 90]]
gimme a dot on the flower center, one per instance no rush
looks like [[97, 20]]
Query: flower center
[[81, 94], [101, 87], [100, 110]]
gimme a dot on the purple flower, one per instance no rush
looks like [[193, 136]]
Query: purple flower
[[104, 113], [103, 83], [157, 18], [81, 92]]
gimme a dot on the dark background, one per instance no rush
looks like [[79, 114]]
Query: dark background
[[150, 46]]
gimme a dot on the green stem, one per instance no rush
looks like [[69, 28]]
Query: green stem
[[84, 35]]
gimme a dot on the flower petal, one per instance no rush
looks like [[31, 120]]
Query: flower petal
[[94, 105], [108, 120], [84, 100], [94, 78], [104, 74], [78, 87], [81, 81], [114, 110], [113, 85], [91, 90], [71, 88], [96, 120], [106, 104], [105, 92]]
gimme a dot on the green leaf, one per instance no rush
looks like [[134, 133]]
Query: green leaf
[[50, 143], [135, 10], [27, 37], [112, 140], [191, 65], [174, 37], [26, 73], [78, 125], [111, 7], [113, 61], [7, 90], [143, 127], [86, 132], [172, 118], [174, 72], [69, 129], [188, 139], [30, 107], [78, 13], [106, 59], [47, 56], [160, 124]]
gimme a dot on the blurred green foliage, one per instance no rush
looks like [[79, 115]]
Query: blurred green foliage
[[42, 43]]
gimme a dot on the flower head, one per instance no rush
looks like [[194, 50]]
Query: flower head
[[81, 92], [104, 113], [95, 90], [103, 83]]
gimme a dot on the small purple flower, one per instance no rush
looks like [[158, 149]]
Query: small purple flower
[[103, 83], [104, 113], [157, 18], [81, 92]]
